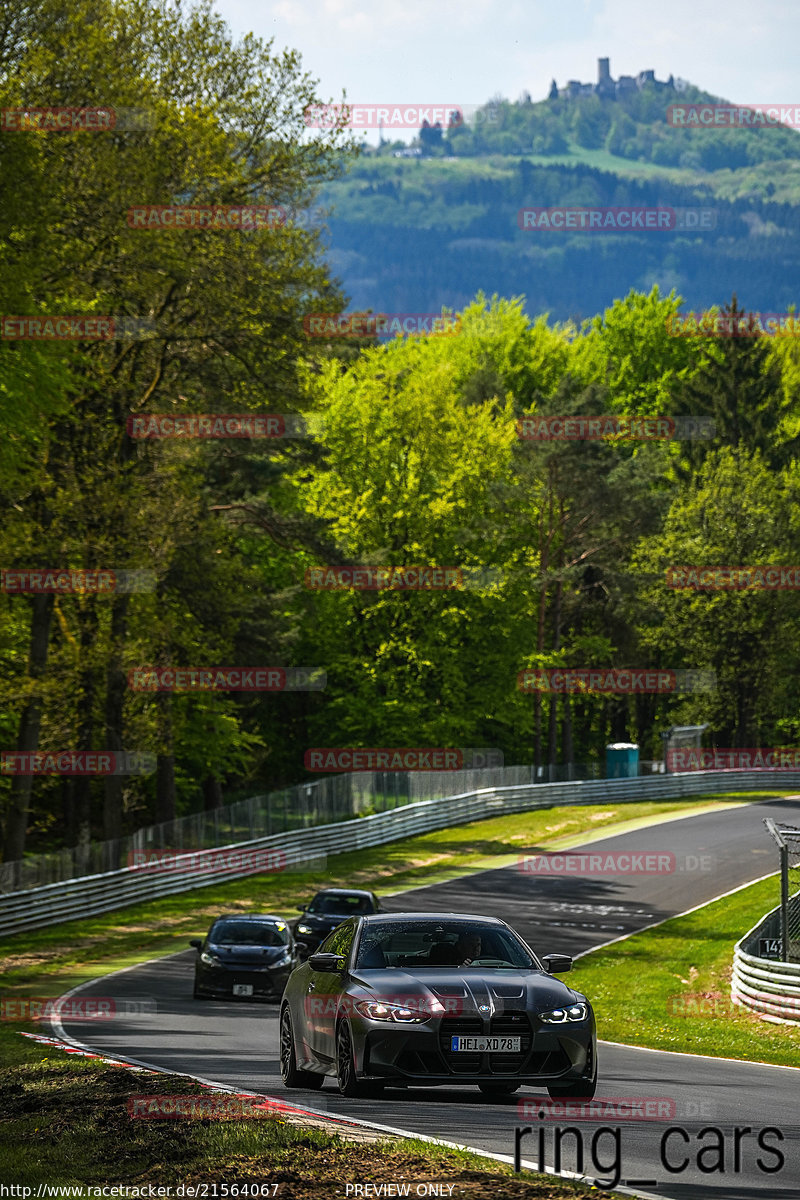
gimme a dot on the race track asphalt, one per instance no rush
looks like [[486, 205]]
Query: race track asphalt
[[235, 1043]]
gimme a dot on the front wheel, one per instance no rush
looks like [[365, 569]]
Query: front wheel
[[291, 1074], [498, 1089], [349, 1084]]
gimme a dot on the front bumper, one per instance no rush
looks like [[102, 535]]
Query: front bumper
[[219, 981], [421, 1053]]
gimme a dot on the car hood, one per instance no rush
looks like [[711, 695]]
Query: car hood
[[240, 955], [469, 991], [322, 922]]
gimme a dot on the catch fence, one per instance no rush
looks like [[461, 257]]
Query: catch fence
[[788, 840], [326, 801], [94, 894]]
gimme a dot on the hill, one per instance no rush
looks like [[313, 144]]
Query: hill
[[413, 234]]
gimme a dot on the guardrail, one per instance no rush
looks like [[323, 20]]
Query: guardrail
[[301, 806], [764, 985], [95, 894]]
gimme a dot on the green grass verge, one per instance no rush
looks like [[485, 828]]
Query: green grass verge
[[67, 1122], [63, 955], [669, 987]]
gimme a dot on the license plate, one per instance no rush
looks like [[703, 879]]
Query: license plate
[[494, 1045], [243, 989]]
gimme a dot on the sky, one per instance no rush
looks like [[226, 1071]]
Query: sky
[[467, 51]]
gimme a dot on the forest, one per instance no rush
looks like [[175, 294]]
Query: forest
[[375, 455]]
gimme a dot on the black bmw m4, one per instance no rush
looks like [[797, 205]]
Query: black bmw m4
[[430, 998]]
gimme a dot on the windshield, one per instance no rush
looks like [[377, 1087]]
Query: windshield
[[339, 906], [248, 933], [421, 944]]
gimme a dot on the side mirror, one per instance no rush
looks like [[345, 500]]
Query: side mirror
[[557, 964], [327, 962], [197, 943], [301, 908]]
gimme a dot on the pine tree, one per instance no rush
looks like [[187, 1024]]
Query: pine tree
[[739, 385]]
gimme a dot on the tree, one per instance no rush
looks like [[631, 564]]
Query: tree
[[739, 383], [224, 309], [736, 512]]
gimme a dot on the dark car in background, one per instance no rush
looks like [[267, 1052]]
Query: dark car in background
[[328, 909], [415, 999], [248, 955]]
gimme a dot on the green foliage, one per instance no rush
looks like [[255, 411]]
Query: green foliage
[[633, 125], [417, 461], [224, 126]]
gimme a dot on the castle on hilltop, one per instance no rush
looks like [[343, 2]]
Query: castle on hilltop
[[607, 87]]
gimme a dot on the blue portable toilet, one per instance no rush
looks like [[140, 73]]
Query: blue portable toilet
[[622, 760]]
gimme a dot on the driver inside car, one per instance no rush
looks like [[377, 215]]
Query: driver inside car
[[468, 947], [461, 954]]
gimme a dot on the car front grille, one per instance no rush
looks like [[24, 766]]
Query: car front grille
[[511, 1024], [460, 1064], [507, 1024]]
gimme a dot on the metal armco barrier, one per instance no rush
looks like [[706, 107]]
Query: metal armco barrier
[[96, 894], [764, 985]]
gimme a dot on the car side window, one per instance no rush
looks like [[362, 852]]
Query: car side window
[[340, 941]]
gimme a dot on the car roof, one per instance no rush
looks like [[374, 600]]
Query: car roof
[[435, 918], [249, 917], [342, 892]]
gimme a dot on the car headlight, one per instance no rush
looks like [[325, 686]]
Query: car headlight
[[304, 929], [284, 958], [210, 960], [377, 1010], [560, 1016]]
